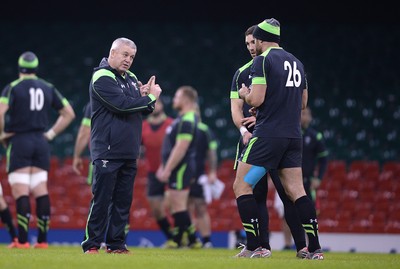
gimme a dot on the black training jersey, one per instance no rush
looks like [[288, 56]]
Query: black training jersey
[[116, 116], [284, 77], [29, 100], [242, 75], [205, 141], [183, 127], [314, 149]]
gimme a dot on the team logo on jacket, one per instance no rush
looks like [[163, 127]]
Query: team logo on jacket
[[104, 163], [134, 85]]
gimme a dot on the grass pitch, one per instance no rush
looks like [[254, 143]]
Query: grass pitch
[[67, 257]]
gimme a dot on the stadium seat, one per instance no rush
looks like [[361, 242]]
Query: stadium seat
[[392, 166]]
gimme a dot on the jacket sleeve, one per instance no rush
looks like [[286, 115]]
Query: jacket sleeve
[[105, 89]]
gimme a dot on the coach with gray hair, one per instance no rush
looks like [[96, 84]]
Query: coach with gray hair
[[118, 100]]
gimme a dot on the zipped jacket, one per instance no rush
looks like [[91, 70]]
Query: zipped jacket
[[116, 115]]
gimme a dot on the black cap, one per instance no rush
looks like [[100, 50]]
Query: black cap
[[28, 63]]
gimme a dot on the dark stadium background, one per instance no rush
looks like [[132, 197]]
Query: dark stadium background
[[349, 51]]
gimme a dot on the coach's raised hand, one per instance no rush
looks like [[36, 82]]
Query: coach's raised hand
[[154, 88]]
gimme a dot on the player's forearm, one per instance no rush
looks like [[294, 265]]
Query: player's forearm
[[65, 118], [237, 117], [81, 143], [237, 112]]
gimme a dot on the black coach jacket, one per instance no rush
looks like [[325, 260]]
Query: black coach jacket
[[117, 110]]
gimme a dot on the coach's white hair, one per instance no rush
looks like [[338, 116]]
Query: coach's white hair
[[122, 41]]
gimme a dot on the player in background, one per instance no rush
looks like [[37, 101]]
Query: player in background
[[153, 132], [6, 218], [315, 162], [81, 143], [206, 166], [24, 107], [179, 164]]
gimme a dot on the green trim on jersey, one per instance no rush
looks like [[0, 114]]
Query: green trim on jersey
[[87, 221], [8, 154], [104, 72], [101, 73], [246, 153], [86, 122], [65, 101], [263, 80], [236, 156], [179, 176], [202, 126], [189, 116], [323, 154], [188, 137], [89, 179], [4, 100], [152, 97], [213, 145], [235, 94], [131, 74], [259, 81]]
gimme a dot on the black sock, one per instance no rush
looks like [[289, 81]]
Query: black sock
[[165, 227], [291, 215], [23, 216], [43, 217], [181, 223], [7, 220], [260, 194], [296, 228], [308, 217], [192, 236], [206, 239], [248, 212]]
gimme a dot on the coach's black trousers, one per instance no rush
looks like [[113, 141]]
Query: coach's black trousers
[[112, 190]]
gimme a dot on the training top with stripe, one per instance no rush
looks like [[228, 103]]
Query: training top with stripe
[[117, 112], [183, 127], [206, 140], [284, 77], [30, 99], [242, 75]]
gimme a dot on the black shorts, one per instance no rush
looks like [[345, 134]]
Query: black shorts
[[239, 148], [196, 189], [155, 188], [28, 149], [273, 153], [182, 176]]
